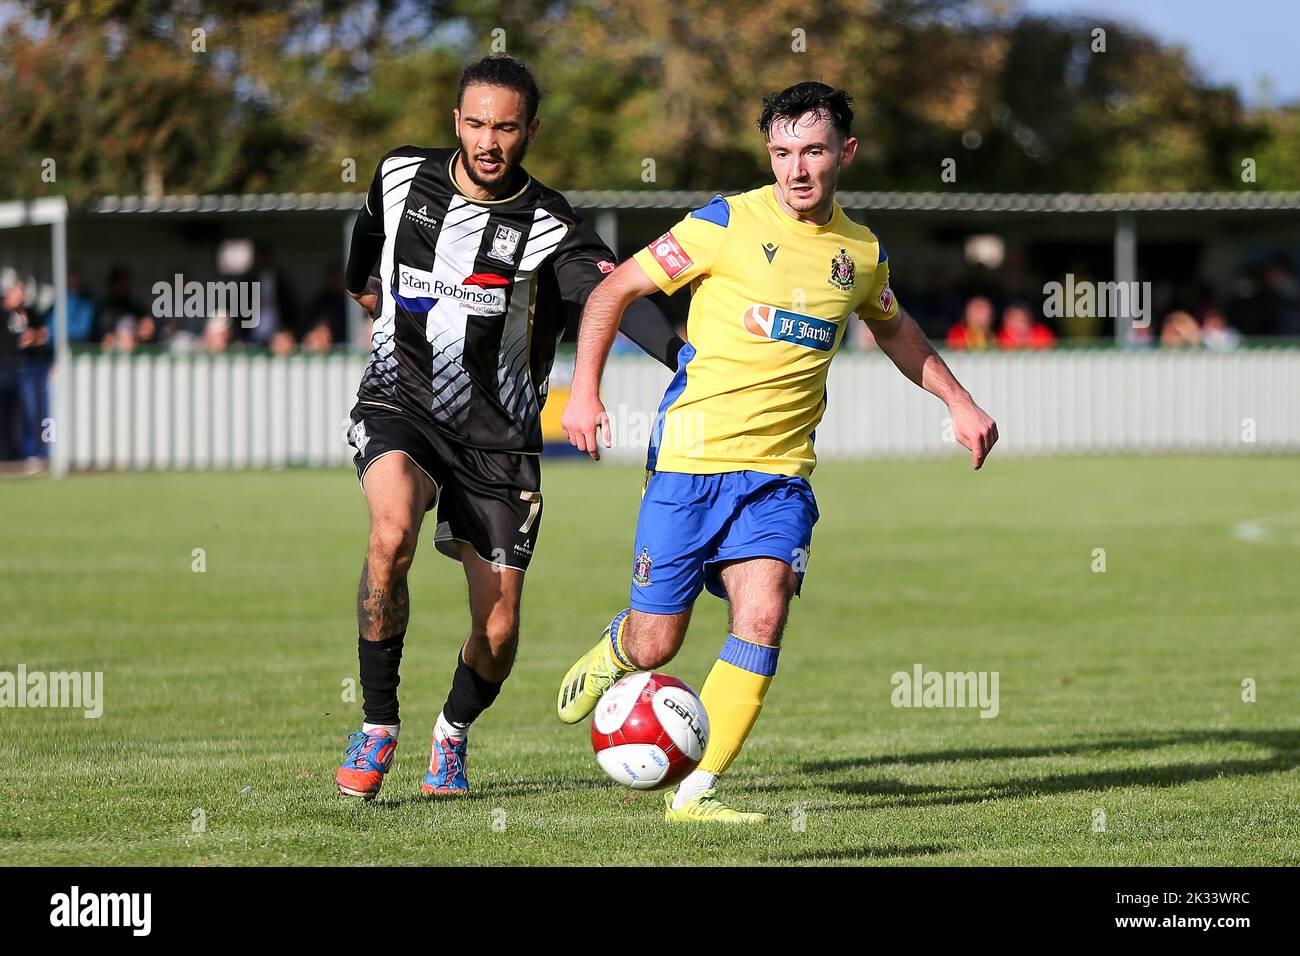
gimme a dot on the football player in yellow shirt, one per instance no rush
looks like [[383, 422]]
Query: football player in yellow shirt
[[776, 275]]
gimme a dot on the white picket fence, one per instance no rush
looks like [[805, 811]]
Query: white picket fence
[[208, 412], [254, 411]]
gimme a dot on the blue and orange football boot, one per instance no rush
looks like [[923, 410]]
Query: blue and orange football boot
[[368, 758], [446, 774]]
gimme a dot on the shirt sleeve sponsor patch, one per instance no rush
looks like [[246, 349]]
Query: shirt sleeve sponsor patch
[[886, 299], [605, 266], [670, 255]]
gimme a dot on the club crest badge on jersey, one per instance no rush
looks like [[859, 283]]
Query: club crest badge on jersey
[[505, 243], [641, 568], [843, 271]]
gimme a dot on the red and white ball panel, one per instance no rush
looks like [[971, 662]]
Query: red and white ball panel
[[616, 706], [639, 766], [649, 731]]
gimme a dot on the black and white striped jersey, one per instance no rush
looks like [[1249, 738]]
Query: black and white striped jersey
[[475, 296]]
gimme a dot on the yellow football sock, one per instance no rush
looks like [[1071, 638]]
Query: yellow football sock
[[733, 696]]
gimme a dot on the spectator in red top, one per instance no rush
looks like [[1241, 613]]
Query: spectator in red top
[[975, 330], [1020, 330]]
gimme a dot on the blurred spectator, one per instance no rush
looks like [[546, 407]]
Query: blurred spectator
[[277, 308], [911, 289], [123, 336], [33, 377], [1246, 304], [282, 342], [946, 306], [1217, 334], [1180, 330], [975, 330], [327, 320], [1281, 299], [1016, 285], [216, 334], [1020, 330], [81, 308], [13, 324], [168, 327], [318, 338], [1263, 299], [183, 342], [122, 321]]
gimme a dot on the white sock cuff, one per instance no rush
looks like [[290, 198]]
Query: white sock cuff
[[442, 727], [697, 781]]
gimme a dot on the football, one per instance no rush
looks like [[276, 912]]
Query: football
[[649, 731]]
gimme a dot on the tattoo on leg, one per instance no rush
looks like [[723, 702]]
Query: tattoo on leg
[[382, 612]]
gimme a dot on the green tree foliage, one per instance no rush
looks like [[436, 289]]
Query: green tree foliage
[[126, 97]]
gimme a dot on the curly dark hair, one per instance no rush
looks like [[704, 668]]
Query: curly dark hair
[[807, 97], [504, 71]]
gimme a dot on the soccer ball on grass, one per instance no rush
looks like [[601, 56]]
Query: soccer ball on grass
[[649, 731]]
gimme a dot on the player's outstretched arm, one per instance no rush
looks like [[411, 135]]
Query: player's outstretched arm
[[366, 246], [907, 347], [584, 415]]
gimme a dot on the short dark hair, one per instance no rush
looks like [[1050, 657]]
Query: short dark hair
[[504, 71], [807, 97]]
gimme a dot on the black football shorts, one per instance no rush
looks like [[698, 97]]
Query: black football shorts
[[490, 499]]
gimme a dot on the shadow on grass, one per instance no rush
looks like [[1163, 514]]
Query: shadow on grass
[[1284, 744], [492, 792]]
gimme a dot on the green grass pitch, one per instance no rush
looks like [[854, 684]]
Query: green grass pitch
[[1122, 736]]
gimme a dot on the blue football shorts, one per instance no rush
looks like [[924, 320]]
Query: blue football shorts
[[689, 524]]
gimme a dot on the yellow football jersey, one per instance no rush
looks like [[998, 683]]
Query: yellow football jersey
[[771, 298]]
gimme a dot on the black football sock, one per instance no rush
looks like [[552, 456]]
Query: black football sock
[[470, 695], [379, 663]]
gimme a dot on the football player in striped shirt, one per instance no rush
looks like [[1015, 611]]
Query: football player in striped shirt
[[776, 276], [471, 268]]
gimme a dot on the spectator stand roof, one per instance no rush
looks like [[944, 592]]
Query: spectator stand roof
[[1244, 201]]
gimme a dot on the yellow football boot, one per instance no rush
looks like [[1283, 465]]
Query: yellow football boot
[[705, 807]]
